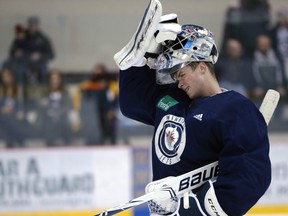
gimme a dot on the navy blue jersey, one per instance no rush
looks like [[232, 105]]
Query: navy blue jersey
[[226, 127]]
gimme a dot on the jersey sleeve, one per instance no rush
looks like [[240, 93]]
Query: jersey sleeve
[[138, 94], [244, 164]]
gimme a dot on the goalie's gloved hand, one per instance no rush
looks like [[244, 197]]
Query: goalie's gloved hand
[[167, 29], [159, 206]]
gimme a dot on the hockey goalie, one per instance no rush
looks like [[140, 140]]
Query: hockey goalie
[[167, 80]]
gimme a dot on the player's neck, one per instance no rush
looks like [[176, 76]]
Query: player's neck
[[212, 88]]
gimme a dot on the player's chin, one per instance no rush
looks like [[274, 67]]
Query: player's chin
[[190, 95], [193, 94], [186, 90]]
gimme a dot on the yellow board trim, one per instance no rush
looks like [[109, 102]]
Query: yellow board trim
[[74, 213], [275, 209]]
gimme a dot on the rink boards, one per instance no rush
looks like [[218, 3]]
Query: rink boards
[[84, 181]]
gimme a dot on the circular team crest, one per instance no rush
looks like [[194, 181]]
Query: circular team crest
[[170, 139]]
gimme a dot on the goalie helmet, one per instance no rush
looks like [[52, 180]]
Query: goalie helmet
[[193, 44]]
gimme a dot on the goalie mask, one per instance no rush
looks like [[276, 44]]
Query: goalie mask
[[193, 44]]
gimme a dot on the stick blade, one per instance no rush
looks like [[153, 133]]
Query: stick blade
[[269, 104]]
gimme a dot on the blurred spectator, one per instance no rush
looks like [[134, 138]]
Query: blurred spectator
[[112, 96], [258, 5], [54, 108], [233, 69], [40, 51], [266, 68], [279, 38], [17, 60], [95, 101], [13, 124], [245, 22]]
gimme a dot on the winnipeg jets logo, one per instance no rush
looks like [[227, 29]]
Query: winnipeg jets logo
[[170, 139], [171, 136]]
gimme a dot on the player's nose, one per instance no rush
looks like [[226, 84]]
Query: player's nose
[[180, 84]]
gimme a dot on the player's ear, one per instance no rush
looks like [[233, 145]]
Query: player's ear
[[202, 66]]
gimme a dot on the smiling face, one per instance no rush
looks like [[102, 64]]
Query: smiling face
[[196, 80]]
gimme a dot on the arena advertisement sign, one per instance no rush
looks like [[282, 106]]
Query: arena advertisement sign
[[63, 180]]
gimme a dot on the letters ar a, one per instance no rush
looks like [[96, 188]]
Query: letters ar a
[[32, 167], [9, 168]]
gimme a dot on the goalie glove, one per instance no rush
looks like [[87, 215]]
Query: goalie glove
[[133, 52], [158, 206], [152, 31], [167, 29]]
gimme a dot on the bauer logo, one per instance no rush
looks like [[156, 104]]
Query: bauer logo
[[166, 102], [198, 178]]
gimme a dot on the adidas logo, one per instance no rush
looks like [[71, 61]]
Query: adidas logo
[[198, 117]]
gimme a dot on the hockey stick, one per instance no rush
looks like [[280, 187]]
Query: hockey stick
[[179, 185], [269, 104]]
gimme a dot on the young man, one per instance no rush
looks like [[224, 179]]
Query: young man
[[196, 123]]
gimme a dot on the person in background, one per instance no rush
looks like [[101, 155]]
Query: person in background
[[233, 69], [54, 108], [267, 69], [279, 40], [12, 119], [18, 54], [110, 135], [245, 22], [95, 102], [41, 51]]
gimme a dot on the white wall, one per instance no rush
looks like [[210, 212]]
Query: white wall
[[88, 31]]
